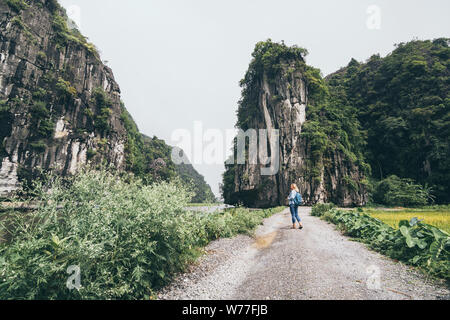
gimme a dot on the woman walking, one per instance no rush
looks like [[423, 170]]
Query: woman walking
[[294, 206]]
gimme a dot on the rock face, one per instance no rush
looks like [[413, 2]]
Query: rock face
[[280, 102], [60, 106]]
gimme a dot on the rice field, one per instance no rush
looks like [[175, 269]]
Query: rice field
[[435, 216]]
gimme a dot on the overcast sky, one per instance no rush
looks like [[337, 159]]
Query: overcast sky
[[180, 61]]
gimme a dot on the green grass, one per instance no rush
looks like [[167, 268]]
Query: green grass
[[438, 216]]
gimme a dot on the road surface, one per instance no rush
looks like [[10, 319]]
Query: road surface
[[315, 263]]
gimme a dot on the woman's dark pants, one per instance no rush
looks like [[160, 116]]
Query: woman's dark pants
[[294, 213]]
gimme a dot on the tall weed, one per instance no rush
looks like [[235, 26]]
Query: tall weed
[[128, 239]]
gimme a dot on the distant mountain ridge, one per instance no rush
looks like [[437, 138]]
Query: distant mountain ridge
[[202, 190]]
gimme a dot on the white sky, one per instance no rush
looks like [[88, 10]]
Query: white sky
[[180, 61]]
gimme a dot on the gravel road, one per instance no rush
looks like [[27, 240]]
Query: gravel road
[[315, 263]]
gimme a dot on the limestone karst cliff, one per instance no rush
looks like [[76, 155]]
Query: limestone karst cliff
[[60, 103], [281, 92], [60, 107]]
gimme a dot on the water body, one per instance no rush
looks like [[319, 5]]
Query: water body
[[210, 209]]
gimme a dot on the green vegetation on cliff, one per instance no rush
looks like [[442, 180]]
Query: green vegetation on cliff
[[49, 93], [202, 191], [402, 102], [17, 5], [331, 126], [148, 158], [268, 57]]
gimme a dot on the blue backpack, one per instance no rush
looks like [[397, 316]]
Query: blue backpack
[[298, 201]]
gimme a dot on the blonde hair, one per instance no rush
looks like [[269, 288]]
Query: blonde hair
[[294, 187]]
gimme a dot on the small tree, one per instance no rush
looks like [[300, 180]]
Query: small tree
[[402, 192]]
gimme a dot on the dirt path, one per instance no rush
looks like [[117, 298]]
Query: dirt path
[[315, 263]]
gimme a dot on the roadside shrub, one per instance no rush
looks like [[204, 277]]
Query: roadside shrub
[[414, 243], [395, 191], [320, 208], [235, 221], [127, 238]]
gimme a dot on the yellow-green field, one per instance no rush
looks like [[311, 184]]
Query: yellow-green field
[[439, 217]]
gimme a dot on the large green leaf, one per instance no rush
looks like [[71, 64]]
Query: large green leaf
[[405, 231], [410, 242], [416, 259], [435, 250], [439, 234], [422, 244]]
